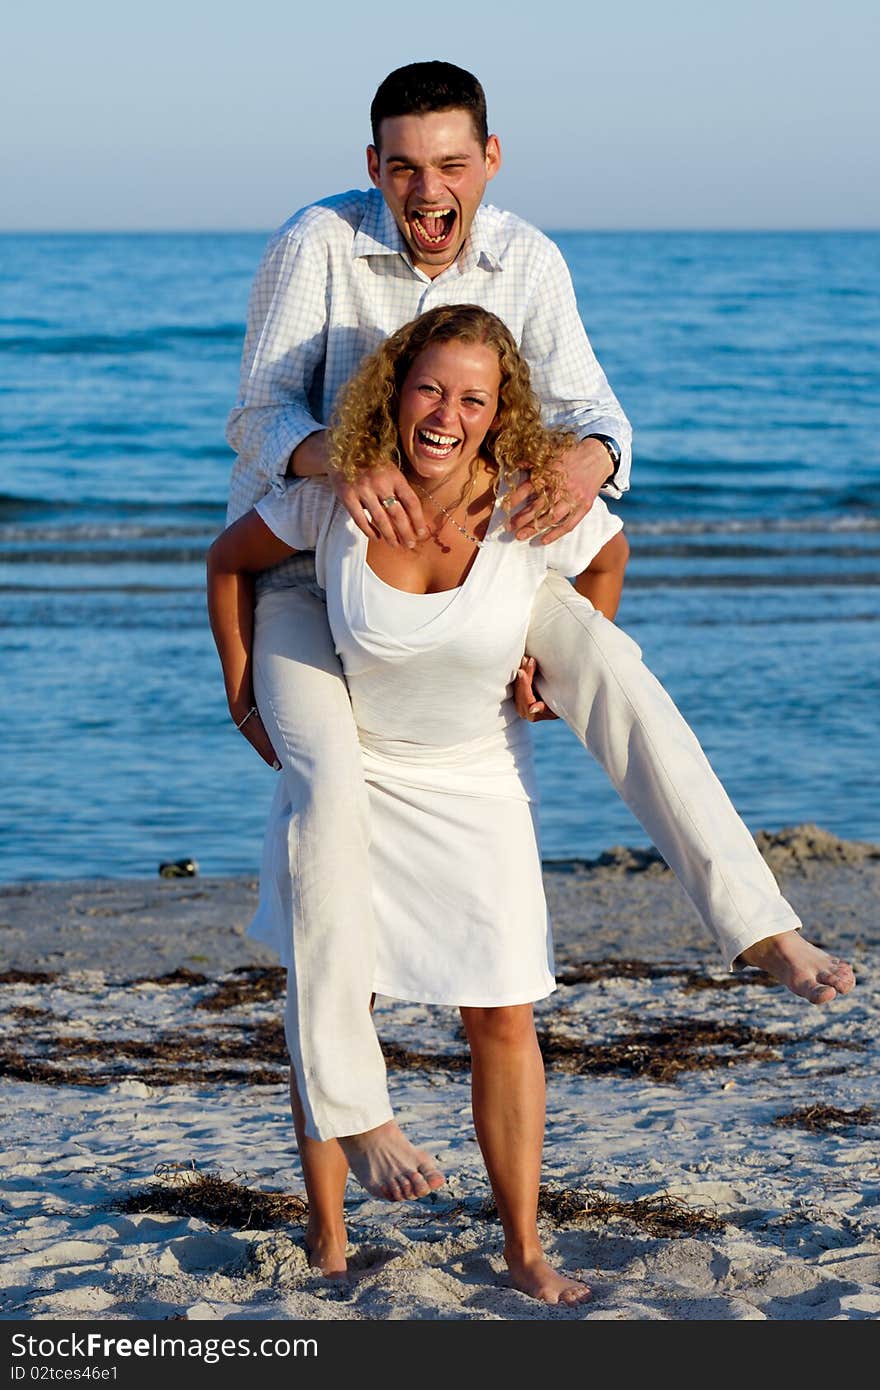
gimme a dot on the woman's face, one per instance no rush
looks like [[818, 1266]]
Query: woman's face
[[448, 404]]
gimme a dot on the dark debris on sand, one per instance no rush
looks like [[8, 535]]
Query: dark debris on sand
[[794, 848], [592, 971], [256, 1055], [823, 1117], [214, 1199], [658, 1054], [663, 1052], [178, 1057], [243, 1053], [28, 977], [401, 1058], [659, 1215], [17, 1067], [246, 985], [181, 976]]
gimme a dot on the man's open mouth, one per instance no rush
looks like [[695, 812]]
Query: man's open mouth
[[439, 445], [433, 227]]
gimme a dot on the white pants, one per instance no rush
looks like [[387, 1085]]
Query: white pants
[[593, 676]]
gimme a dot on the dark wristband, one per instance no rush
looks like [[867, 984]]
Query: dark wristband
[[613, 453]]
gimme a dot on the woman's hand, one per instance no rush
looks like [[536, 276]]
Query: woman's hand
[[254, 731], [383, 505], [529, 704]]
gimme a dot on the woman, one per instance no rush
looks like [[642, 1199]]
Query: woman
[[431, 639]]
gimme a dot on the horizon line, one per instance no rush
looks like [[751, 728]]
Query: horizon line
[[561, 231]]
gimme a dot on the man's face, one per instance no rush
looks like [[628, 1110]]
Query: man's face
[[432, 173]]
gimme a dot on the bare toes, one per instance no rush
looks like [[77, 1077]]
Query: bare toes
[[840, 976], [821, 994]]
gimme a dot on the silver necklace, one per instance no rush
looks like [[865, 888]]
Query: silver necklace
[[449, 517]]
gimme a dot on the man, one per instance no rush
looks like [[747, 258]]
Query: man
[[337, 278]]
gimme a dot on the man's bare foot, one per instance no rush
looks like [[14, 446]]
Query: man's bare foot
[[803, 968], [534, 1276], [326, 1250], [386, 1164]]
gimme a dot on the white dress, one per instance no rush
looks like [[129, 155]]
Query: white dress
[[454, 856]]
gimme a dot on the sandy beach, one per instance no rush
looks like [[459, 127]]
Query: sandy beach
[[711, 1142]]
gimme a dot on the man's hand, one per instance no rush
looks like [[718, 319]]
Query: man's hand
[[529, 704], [586, 467], [383, 506]]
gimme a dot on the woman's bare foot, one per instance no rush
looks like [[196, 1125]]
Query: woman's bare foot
[[326, 1250], [803, 968], [532, 1274], [386, 1164]]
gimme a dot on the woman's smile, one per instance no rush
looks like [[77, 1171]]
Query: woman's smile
[[448, 404], [438, 445]]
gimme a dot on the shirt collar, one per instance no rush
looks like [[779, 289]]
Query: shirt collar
[[379, 235]]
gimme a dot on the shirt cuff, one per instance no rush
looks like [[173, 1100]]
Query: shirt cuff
[[286, 435]]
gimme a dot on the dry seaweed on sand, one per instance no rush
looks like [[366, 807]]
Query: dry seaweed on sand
[[621, 859], [659, 1215], [17, 1067], [175, 1058], [28, 977], [661, 1053], [823, 1117], [262, 1042], [740, 980], [625, 968], [807, 847], [181, 976], [401, 1058], [216, 1200], [246, 985]]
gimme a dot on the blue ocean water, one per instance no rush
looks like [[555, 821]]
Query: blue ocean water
[[749, 366]]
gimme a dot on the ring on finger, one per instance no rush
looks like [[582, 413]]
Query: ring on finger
[[388, 502]]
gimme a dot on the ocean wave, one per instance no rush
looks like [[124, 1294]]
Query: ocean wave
[[694, 581], [184, 544], [131, 589], [755, 525], [162, 338], [163, 554], [853, 579], [690, 549], [126, 534], [123, 517]]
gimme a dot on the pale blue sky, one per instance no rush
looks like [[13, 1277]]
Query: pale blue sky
[[633, 113]]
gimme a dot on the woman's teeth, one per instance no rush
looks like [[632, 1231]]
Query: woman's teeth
[[438, 444]]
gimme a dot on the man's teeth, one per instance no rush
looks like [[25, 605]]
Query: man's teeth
[[428, 220]]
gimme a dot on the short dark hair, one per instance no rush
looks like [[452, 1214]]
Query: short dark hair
[[423, 87]]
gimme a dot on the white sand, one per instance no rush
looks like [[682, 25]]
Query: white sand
[[801, 1238]]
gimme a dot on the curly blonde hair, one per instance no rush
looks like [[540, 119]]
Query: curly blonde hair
[[364, 431]]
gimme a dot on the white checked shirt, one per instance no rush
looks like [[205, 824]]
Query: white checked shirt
[[336, 279]]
